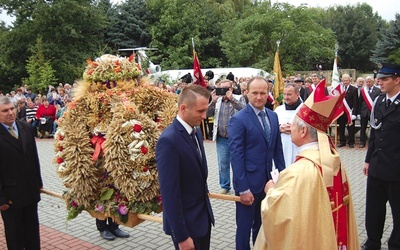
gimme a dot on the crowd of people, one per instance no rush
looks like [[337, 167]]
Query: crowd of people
[[283, 182], [285, 167], [41, 111]]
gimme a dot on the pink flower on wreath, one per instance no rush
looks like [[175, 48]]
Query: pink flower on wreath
[[99, 208], [74, 204], [122, 209]]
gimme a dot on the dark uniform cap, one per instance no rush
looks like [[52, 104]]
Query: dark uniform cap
[[389, 69], [230, 76]]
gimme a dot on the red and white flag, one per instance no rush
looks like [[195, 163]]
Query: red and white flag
[[197, 75]]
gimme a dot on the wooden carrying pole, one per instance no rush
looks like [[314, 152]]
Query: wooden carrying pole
[[142, 217]]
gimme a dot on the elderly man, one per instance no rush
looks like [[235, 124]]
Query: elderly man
[[310, 205], [365, 103], [350, 112], [286, 114], [20, 180]]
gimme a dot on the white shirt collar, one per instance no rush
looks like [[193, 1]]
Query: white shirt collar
[[185, 124], [393, 97]]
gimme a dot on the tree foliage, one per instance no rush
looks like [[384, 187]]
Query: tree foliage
[[129, 25], [41, 74], [357, 30], [251, 40], [178, 22], [387, 48], [225, 33]]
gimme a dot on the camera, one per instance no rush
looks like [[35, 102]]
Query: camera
[[221, 91]]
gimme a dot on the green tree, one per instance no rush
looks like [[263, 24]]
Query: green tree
[[129, 25], [387, 48], [178, 22], [72, 31], [14, 44], [303, 41], [356, 29], [39, 69]]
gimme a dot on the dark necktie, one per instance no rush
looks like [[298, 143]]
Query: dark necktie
[[265, 124], [193, 136], [12, 132], [388, 102]]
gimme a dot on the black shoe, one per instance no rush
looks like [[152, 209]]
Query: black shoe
[[364, 247], [351, 146], [119, 233], [341, 145], [107, 235]]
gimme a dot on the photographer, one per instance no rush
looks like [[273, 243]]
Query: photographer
[[223, 106]]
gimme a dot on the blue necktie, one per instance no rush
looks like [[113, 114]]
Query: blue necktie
[[193, 136], [265, 124]]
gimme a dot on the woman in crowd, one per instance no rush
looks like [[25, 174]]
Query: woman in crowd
[[46, 114]]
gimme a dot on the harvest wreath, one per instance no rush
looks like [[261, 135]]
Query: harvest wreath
[[105, 143]]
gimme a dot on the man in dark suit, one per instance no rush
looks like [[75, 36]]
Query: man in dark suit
[[382, 161], [299, 82], [365, 102], [254, 142], [182, 172], [20, 180], [350, 114]]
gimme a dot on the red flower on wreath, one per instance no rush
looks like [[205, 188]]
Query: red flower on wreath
[[74, 204], [137, 128], [145, 168], [60, 148], [60, 160], [61, 138], [144, 150]]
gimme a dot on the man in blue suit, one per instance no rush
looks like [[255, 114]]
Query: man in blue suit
[[254, 141], [182, 173]]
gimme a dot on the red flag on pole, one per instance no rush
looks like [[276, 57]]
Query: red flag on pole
[[198, 76]]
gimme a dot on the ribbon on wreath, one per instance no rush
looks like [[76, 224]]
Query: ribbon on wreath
[[98, 142]]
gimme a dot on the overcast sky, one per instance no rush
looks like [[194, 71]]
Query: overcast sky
[[385, 8]]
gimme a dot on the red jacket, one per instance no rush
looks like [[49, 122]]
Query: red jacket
[[43, 111]]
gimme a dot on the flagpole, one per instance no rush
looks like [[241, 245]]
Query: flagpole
[[336, 124]]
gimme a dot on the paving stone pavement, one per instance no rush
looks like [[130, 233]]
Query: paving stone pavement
[[81, 232]]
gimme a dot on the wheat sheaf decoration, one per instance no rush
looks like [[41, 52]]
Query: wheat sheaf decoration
[[105, 142]]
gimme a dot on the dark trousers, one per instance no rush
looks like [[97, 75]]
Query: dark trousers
[[103, 225], [248, 220], [363, 130], [342, 121], [202, 243], [21, 226], [378, 194]]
